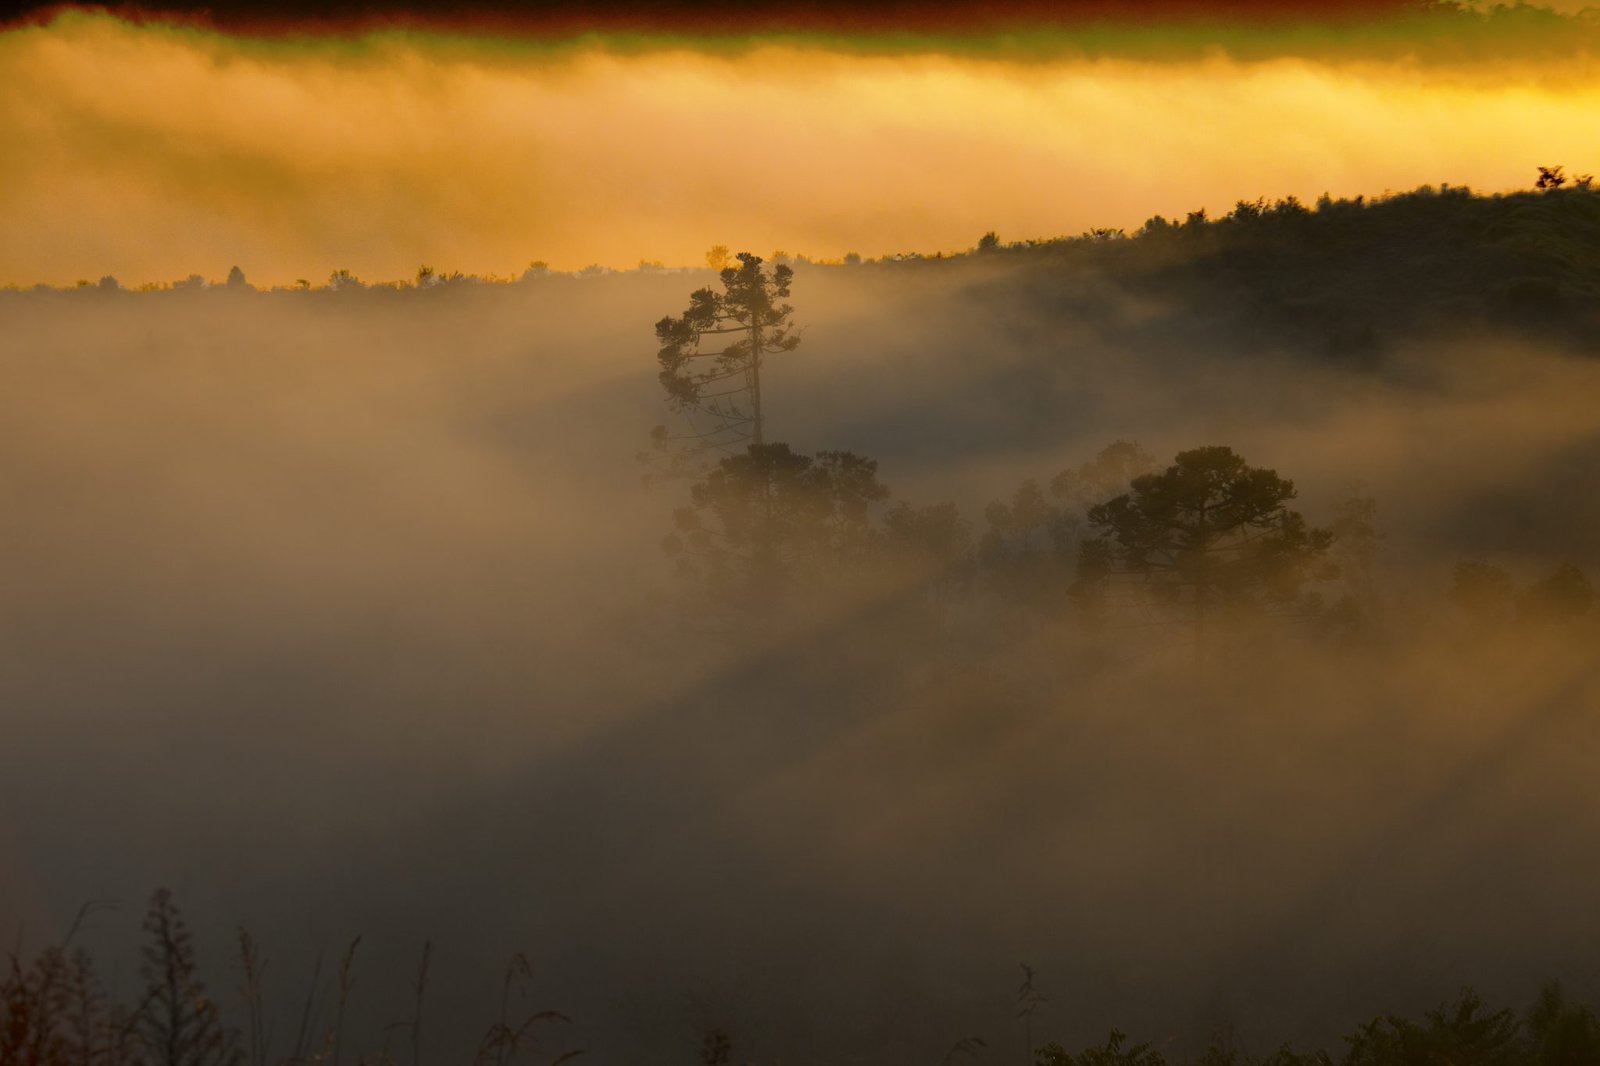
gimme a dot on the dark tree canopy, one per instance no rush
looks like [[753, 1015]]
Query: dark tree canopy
[[1209, 531], [1465, 1031], [769, 517], [721, 383]]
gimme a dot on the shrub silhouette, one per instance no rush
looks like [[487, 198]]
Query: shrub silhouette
[[178, 1024], [1460, 1032], [1112, 1053]]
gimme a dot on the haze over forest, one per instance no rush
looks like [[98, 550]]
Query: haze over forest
[[346, 611]]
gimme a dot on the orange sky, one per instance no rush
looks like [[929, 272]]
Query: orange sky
[[151, 153]]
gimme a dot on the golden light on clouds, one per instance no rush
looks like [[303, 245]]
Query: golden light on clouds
[[151, 152]]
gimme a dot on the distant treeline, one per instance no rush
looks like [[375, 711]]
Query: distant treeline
[[1340, 276], [1346, 277], [55, 1011]]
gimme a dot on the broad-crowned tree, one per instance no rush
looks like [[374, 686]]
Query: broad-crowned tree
[[1209, 532]]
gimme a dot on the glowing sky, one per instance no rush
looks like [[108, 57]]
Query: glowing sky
[[151, 151]]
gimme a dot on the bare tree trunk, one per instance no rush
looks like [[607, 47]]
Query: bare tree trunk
[[755, 374]]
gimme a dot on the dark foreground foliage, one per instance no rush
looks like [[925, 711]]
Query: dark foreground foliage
[[1554, 1031], [54, 1011]]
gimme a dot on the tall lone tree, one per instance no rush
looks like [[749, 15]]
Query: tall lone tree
[[722, 384], [1209, 532]]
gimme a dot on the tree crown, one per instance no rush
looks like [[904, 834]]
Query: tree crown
[[1208, 523]]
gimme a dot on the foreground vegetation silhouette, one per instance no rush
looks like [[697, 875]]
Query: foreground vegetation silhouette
[[54, 1011]]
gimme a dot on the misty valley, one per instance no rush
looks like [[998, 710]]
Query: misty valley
[[1129, 649]]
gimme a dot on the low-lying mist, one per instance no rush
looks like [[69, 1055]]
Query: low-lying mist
[[346, 613]]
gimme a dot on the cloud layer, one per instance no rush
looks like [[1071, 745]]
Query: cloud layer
[[150, 152]]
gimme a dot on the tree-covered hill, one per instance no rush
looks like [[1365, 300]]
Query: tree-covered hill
[[1345, 277]]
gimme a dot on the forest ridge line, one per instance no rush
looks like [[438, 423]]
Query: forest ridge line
[[1420, 257]]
